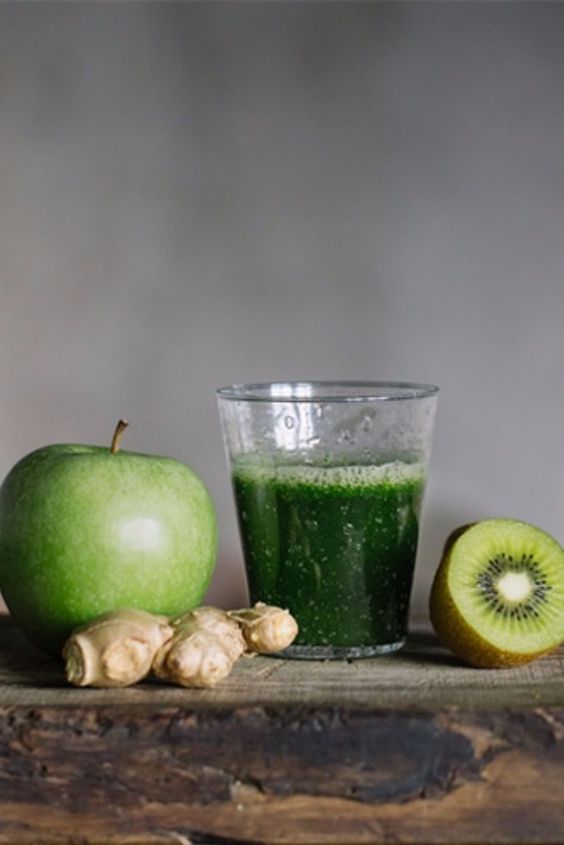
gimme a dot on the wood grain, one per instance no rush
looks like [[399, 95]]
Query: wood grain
[[285, 752]]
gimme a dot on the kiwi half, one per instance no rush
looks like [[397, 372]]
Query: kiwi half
[[498, 596]]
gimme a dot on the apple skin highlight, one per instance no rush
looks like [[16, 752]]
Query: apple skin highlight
[[85, 530]]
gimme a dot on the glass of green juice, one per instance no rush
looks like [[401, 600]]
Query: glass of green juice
[[328, 479]]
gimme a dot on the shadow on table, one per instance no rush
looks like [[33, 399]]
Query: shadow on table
[[422, 646], [22, 663]]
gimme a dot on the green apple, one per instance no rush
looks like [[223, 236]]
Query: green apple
[[87, 529]]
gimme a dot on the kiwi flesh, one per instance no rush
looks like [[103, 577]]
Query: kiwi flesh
[[498, 595]]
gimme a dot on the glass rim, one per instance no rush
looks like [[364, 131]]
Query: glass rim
[[326, 391]]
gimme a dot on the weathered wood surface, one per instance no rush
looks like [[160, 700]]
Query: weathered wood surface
[[423, 675], [413, 748]]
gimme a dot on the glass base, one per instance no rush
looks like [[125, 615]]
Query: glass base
[[335, 652]]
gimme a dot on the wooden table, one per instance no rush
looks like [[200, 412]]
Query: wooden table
[[412, 748]]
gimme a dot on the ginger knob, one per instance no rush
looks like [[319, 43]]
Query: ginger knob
[[116, 649], [204, 648], [266, 628]]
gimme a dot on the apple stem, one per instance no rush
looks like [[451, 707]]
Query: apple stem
[[116, 439]]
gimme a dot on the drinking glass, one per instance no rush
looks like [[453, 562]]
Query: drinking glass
[[328, 480]]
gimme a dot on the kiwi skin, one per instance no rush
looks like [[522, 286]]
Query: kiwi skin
[[455, 633]]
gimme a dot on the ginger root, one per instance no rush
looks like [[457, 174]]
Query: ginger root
[[197, 649], [116, 649], [266, 628], [204, 648]]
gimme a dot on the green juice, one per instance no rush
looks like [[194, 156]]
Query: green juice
[[334, 544]]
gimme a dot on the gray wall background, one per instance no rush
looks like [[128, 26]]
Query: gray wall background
[[192, 195]]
